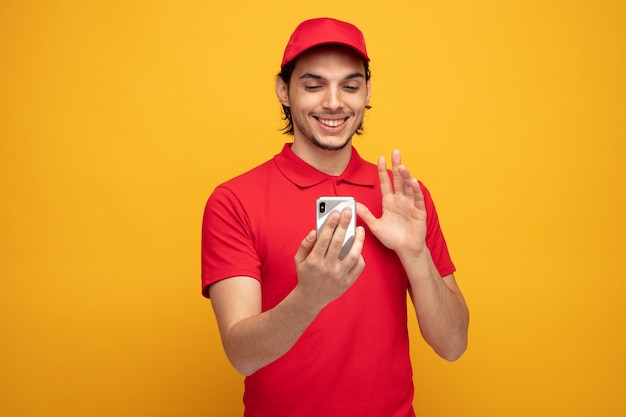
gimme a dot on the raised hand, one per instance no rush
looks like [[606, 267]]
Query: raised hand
[[402, 225]]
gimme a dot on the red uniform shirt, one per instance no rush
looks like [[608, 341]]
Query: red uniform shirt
[[353, 360]]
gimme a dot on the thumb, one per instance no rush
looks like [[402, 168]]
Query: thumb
[[365, 214], [306, 246]]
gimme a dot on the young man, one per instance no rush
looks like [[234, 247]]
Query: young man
[[316, 335]]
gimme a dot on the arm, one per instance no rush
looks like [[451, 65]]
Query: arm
[[253, 339], [441, 311]]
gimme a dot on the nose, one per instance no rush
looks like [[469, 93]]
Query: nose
[[333, 99]]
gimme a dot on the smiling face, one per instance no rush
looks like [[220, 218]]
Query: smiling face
[[327, 95]]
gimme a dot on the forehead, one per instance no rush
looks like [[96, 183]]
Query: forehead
[[329, 59]]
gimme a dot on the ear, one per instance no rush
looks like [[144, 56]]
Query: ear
[[369, 92], [282, 91]]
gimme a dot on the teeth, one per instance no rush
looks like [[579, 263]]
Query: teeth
[[332, 123]]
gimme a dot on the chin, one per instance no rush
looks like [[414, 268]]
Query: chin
[[331, 142], [335, 145]]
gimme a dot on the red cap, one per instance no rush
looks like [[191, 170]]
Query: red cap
[[324, 31]]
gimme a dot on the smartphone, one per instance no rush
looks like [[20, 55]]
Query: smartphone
[[325, 206]]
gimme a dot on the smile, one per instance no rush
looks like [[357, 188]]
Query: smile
[[331, 122]]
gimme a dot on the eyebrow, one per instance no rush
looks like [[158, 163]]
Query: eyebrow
[[319, 77]]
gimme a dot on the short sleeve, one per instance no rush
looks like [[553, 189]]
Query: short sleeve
[[228, 248]]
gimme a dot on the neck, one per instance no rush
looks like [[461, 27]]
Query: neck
[[331, 162]]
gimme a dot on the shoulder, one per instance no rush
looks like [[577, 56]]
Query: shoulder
[[252, 176]]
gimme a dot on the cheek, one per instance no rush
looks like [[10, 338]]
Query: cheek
[[301, 121], [302, 102], [359, 102]]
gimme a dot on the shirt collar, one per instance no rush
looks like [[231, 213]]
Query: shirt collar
[[304, 175]]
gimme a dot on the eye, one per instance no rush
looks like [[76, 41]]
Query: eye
[[351, 88], [312, 87]]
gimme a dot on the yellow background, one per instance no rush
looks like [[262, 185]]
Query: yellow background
[[118, 118]]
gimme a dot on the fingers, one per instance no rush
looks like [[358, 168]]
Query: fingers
[[354, 257], [331, 236], [368, 217], [305, 247], [398, 180], [383, 177], [364, 213], [336, 248], [322, 276], [408, 182], [399, 173], [418, 196]]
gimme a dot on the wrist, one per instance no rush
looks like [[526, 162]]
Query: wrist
[[303, 305], [414, 255]]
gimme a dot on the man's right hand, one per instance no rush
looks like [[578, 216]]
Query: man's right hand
[[322, 276]]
